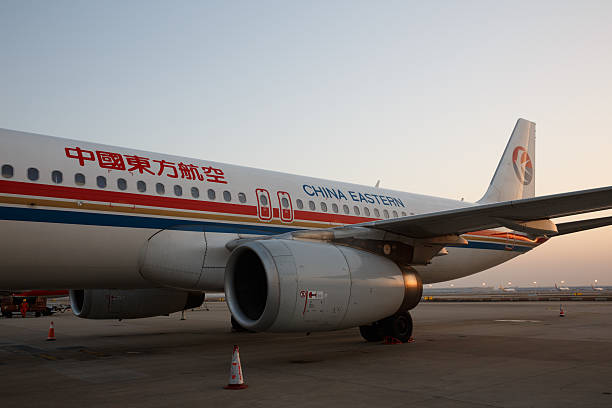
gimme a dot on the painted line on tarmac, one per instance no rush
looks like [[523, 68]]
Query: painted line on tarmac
[[517, 321]]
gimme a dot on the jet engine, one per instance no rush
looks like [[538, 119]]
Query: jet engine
[[284, 285], [131, 304]]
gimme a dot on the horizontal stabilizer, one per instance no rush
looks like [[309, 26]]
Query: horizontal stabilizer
[[583, 225]]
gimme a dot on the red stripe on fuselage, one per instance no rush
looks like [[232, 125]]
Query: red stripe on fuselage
[[499, 234], [330, 217], [75, 193], [88, 194], [45, 190]]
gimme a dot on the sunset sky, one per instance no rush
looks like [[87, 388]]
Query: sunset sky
[[422, 95]]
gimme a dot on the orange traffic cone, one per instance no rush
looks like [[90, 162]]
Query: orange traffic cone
[[236, 382], [51, 335], [561, 311]]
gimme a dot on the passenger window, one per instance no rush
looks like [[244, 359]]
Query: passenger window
[[376, 213], [79, 179], [160, 188], [366, 211], [242, 197], [263, 200], [33, 174], [195, 193], [121, 184], [311, 205], [356, 210], [403, 213], [323, 207], [7, 171], [285, 202], [299, 204], [227, 196], [345, 209], [141, 186], [394, 214], [335, 208], [57, 177], [178, 190], [386, 213], [101, 181], [211, 194]]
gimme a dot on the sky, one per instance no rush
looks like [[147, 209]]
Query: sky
[[421, 95]]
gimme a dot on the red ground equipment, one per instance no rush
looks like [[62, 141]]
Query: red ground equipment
[[37, 305]]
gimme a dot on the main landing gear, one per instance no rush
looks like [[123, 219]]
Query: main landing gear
[[398, 326]]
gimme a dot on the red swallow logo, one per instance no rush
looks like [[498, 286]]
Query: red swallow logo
[[523, 167]]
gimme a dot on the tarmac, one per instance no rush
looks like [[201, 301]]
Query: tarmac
[[464, 355]]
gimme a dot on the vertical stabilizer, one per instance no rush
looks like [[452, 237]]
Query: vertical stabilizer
[[514, 177]]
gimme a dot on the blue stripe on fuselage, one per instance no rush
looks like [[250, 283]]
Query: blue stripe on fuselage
[[132, 221], [137, 221]]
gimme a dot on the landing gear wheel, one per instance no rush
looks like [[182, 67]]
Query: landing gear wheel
[[372, 333], [236, 327], [399, 327]]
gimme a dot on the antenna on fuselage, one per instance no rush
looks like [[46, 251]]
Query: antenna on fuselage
[[377, 184]]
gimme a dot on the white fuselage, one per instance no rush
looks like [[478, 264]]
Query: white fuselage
[[78, 215]]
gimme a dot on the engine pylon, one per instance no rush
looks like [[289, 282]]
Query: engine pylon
[[236, 381]]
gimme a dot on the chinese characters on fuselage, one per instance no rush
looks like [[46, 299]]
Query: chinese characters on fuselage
[[132, 163]]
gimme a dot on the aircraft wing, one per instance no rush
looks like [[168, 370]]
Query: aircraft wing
[[582, 225], [508, 213]]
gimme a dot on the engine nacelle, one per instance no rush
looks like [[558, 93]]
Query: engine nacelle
[[289, 285], [131, 304]]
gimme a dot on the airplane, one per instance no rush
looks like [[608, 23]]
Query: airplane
[[596, 288], [501, 287], [561, 288], [136, 234]]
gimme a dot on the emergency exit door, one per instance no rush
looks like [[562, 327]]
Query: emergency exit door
[[510, 241], [285, 206], [264, 204]]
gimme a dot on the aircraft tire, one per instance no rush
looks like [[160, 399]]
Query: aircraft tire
[[372, 333], [398, 326]]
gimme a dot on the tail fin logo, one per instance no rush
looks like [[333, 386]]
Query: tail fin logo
[[522, 165]]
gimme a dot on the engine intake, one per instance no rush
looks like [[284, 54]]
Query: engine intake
[[290, 285]]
